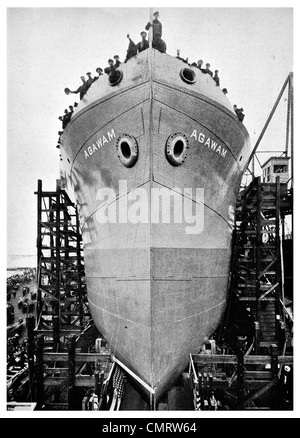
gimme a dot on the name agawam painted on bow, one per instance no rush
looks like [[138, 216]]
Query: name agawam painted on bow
[[198, 136], [99, 143], [209, 142]]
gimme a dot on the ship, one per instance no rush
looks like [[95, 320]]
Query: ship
[[154, 155]]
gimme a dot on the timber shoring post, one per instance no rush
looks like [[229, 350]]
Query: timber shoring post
[[39, 376], [152, 402], [55, 306], [99, 378], [282, 336], [71, 371], [39, 248], [278, 291], [258, 253], [97, 384], [79, 269], [274, 371], [240, 377], [256, 334], [55, 322], [30, 354], [291, 94], [65, 242], [52, 241]]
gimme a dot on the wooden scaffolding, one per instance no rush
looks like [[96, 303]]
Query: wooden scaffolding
[[258, 274], [67, 359], [62, 308], [251, 366]]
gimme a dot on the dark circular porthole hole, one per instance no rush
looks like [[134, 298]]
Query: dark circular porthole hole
[[188, 75], [115, 77], [178, 148], [125, 150]]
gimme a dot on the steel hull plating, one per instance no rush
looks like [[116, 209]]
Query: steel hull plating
[[156, 291]]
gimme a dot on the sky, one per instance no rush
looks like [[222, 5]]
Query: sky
[[48, 49], [49, 46]]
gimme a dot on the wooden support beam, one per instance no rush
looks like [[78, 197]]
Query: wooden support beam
[[58, 370], [71, 371], [249, 385], [56, 326], [256, 337], [99, 379], [56, 304], [268, 291], [68, 332], [204, 359], [260, 392], [274, 371], [80, 381], [291, 84], [240, 376], [39, 303], [258, 246], [39, 382], [267, 268], [44, 270], [30, 354], [79, 268], [79, 357], [278, 293]]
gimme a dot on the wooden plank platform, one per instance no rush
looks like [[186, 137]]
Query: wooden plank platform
[[232, 359]]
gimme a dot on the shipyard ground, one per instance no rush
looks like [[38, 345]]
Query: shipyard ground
[[18, 311]]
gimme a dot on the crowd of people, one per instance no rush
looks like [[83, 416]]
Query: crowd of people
[[114, 63], [86, 83], [14, 282], [65, 118], [133, 49], [17, 360], [206, 70], [16, 352], [239, 111], [27, 302]]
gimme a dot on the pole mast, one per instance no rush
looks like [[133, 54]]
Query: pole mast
[[150, 33], [150, 59]]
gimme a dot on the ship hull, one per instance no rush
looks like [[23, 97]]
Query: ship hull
[[156, 284]]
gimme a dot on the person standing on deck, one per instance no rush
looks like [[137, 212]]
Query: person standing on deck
[[89, 81], [144, 44], [100, 73], [216, 78], [239, 113], [82, 89], [110, 67], [117, 61], [207, 70], [66, 119], [157, 42], [179, 57], [199, 65], [132, 50]]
